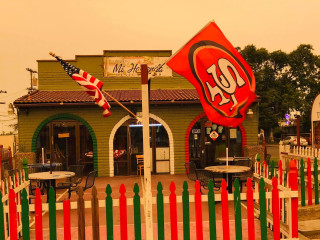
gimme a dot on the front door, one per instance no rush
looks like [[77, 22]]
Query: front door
[[64, 144], [128, 143]]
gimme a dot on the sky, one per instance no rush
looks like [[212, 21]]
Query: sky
[[30, 29]]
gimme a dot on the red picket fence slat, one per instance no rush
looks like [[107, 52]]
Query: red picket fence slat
[[198, 211], [225, 211], [250, 210], [173, 212]]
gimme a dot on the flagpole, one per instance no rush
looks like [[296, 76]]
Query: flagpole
[[146, 152], [121, 105]]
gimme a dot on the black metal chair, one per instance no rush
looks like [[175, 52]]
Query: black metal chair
[[89, 183], [74, 181], [191, 171], [204, 176], [242, 177]]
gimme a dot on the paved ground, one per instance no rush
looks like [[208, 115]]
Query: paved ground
[[129, 182]]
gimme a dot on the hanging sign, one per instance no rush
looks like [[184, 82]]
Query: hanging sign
[[223, 79], [63, 135], [214, 135]]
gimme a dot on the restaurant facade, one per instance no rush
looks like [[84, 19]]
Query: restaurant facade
[[60, 118]]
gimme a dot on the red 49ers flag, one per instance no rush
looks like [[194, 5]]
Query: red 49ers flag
[[223, 79]]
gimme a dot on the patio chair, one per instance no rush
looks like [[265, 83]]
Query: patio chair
[[73, 181], [204, 176], [140, 164], [89, 183], [191, 171], [242, 177]]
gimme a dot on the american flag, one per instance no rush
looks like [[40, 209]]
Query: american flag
[[90, 84]]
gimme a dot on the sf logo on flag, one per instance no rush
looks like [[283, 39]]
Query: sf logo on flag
[[224, 81]]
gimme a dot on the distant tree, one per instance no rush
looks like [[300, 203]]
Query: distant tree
[[285, 82]]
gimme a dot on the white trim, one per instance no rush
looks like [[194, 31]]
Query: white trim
[[123, 120]]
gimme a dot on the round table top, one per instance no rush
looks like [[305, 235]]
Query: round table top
[[229, 169], [48, 176], [224, 159]]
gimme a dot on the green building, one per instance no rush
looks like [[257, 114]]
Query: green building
[[63, 120]]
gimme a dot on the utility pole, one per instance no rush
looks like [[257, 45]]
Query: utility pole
[[31, 74], [3, 91]]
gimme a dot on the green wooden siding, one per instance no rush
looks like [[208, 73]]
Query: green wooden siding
[[52, 76]]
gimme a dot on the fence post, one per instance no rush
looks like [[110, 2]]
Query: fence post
[[186, 212], [250, 210], [52, 214], [309, 183], [38, 215], [13, 216], [66, 219], [225, 210], [293, 184], [275, 209], [316, 185], [81, 216], [1, 175], [25, 215], [137, 212], [109, 213], [198, 210], [10, 157], [303, 190], [263, 210], [212, 212], [95, 214], [25, 168], [160, 212], [123, 213], [237, 210], [173, 212], [2, 216]]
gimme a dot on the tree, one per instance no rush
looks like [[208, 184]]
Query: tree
[[285, 82]]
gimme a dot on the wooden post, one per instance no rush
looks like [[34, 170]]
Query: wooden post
[[81, 216], [95, 214], [146, 151]]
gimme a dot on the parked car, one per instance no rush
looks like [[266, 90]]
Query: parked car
[[292, 140]]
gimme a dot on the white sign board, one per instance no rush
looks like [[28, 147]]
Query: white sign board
[[130, 66]]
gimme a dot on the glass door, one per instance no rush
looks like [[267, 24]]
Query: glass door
[[64, 144]]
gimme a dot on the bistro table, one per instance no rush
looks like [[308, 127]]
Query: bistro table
[[50, 178], [229, 171]]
